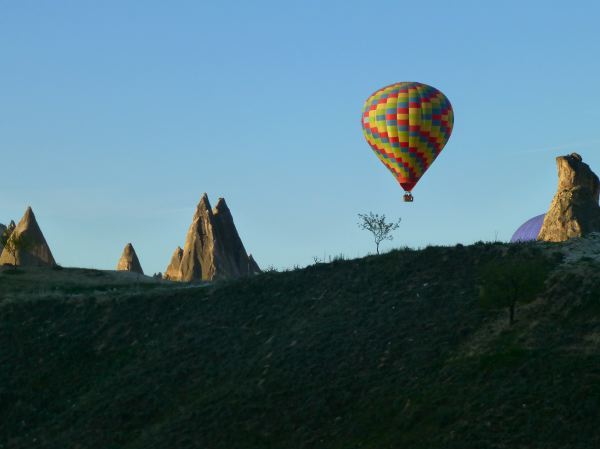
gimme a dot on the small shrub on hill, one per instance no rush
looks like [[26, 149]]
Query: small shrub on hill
[[514, 278]]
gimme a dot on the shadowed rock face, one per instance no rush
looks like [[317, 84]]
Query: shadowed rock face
[[234, 260], [129, 260], [213, 248], [2, 231], [254, 268], [11, 227], [38, 253], [574, 211], [7, 230]]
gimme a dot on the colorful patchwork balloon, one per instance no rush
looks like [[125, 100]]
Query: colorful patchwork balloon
[[407, 125]]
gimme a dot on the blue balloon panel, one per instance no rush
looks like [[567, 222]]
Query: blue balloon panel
[[529, 230]]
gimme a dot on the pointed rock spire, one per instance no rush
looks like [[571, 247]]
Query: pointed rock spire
[[197, 261], [36, 251], [574, 211], [129, 260], [173, 272], [213, 248], [204, 203], [235, 258]]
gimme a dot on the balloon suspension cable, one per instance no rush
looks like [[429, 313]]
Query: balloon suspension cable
[[408, 197]]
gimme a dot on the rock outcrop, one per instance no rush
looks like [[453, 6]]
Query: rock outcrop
[[6, 232], [172, 273], [129, 260], [36, 251], [213, 248], [234, 259], [2, 231], [574, 211], [253, 266]]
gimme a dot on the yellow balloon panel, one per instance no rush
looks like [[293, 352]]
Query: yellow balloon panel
[[407, 125]]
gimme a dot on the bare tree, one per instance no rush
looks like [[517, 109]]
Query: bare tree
[[376, 225], [513, 279]]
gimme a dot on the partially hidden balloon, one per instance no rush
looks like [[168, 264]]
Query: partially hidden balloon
[[407, 125]]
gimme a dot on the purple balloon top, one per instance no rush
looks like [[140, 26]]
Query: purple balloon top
[[529, 230]]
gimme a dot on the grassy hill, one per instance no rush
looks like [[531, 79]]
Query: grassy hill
[[390, 351]]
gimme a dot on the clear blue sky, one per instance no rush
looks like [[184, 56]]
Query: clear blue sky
[[116, 116]]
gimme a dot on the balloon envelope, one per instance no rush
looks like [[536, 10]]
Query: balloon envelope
[[407, 125], [529, 230]]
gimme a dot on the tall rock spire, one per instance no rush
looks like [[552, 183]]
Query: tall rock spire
[[198, 261], [213, 248], [234, 257], [37, 252], [574, 211]]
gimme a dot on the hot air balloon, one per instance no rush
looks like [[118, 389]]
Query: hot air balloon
[[529, 230], [407, 125]]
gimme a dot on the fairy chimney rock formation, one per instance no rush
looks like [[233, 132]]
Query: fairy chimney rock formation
[[213, 248], [172, 273], [574, 211], [129, 260], [235, 260], [35, 252], [198, 261]]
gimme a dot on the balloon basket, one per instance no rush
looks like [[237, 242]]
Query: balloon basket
[[408, 198]]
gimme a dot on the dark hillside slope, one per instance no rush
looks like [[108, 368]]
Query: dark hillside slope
[[390, 351]]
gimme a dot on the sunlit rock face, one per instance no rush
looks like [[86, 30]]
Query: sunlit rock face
[[574, 211], [37, 253], [129, 261], [529, 230], [213, 248], [173, 270]]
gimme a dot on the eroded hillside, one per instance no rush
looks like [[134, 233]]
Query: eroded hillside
[[382, 352]]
